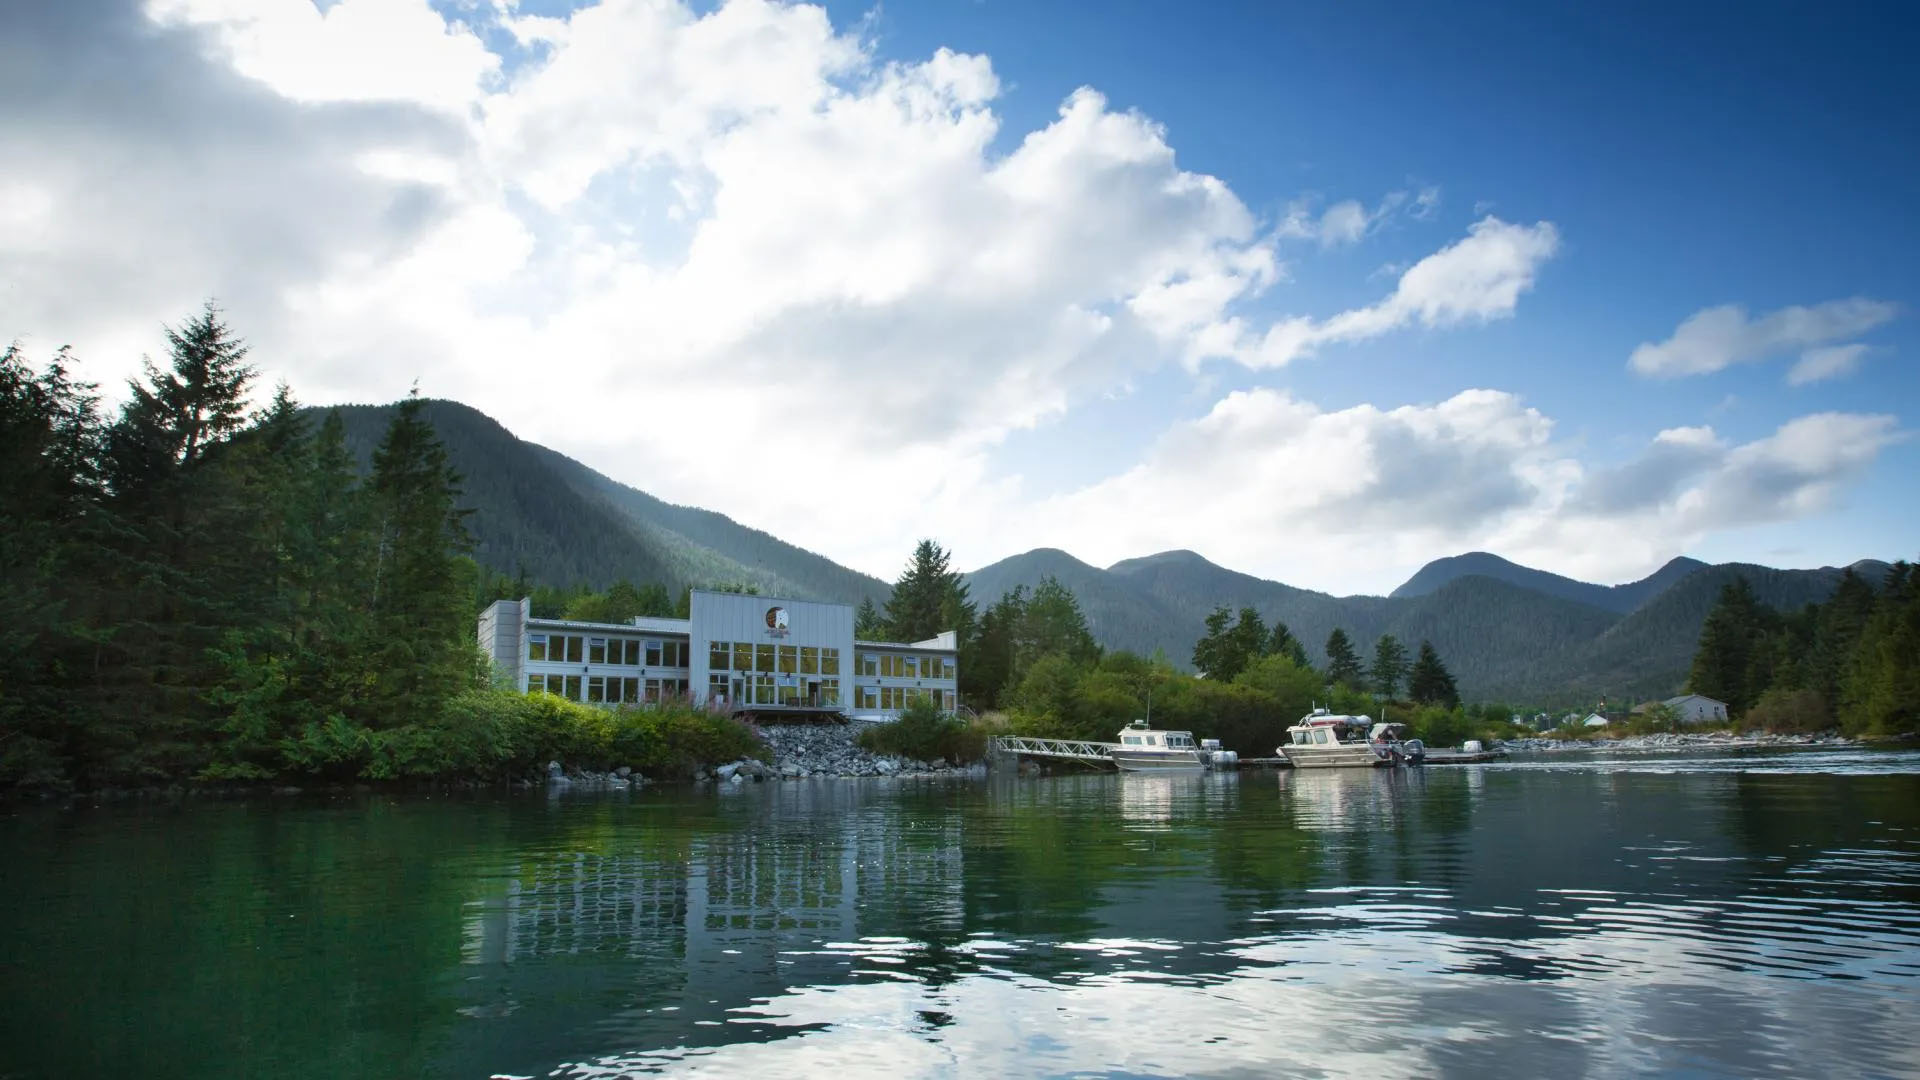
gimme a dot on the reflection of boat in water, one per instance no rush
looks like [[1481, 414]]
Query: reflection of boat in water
[[1145, 749], [1327, 740]]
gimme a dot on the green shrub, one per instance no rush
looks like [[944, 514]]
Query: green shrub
[[924, 733], [1790, 712]]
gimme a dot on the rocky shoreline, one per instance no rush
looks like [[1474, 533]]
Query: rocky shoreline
[[1706, 740], [802, 751]]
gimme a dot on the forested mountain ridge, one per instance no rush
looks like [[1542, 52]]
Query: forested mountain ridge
[[541, 513], [1616, 598], [1502, 638]]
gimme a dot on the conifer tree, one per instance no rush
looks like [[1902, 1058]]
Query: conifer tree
[[1723, 662], [867, 623], [1389, 665], [930, 597], [1343, 664], [1281, 642], [1430, 683]]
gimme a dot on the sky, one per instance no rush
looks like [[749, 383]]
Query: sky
[[1320, 291]]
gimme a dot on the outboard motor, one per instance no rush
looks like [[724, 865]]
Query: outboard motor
[[1415, 750]]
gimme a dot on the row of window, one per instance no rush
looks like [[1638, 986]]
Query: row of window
[[772, 690], [899, 697], [633, 652], [783, 659], [895, 666], [608, 689]]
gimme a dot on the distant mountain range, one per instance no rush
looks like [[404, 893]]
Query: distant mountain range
[[1507, 631]]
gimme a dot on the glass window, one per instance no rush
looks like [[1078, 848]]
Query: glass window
[[653, 654], [763, 689], [536, 683], [742, 656], [717, 656], [809, 660], [907, 667], [652, 691], [789, 658], [829, 661], [869, 698], [946, 700], [574, 641], [763, 658], [630, 690], [596, 688], [829, 691], [632, 651], [717, 688], [572, 692], [597, 650], [536, 646], [867, 664]]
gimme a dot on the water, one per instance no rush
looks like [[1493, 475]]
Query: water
[[1698, 915]]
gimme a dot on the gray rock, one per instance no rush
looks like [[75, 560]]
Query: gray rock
[[623, 771]]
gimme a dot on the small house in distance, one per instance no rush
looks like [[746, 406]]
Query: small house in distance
[[1697, 709]]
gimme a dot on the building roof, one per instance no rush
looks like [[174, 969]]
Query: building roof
[[1692, 697], [943, 643], [640, 622]]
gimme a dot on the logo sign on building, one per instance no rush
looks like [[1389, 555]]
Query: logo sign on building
[[777, 622]]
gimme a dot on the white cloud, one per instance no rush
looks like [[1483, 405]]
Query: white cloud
[[1718, 337], [1349, 221], [351, 50], [1476, 279], [1828, 362], [1356, 498]]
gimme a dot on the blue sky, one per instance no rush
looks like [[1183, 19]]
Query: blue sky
[[999, 310]]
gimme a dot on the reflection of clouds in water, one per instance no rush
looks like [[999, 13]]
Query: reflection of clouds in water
[[1335, 1005]]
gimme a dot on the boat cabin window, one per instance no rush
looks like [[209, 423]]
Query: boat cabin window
[[1131, 740], [1321, 736], [1299, 738]]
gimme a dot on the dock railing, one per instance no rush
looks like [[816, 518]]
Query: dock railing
[[1092, 753]]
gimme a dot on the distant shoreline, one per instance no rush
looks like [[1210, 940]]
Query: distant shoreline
[[1706, 740]]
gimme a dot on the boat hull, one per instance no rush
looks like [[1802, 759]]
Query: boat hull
[[1351, 756], [1130, 759]]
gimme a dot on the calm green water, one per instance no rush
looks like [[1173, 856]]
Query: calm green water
[[1732, 915]]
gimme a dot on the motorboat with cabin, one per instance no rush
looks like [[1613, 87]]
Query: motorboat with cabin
[[1327, 740], [1145, 749]]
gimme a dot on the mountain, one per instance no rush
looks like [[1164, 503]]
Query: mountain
[[1615, 598], [563, 523], [1512, 633]]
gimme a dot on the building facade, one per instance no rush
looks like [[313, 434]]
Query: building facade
[[746, 653]]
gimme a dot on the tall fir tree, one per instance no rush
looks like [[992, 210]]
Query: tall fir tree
[[930, 597], [1429, 682], [868, 625], [1343, 664], [1281, 642], [1389, 665], [1723, 661], [425, 651]]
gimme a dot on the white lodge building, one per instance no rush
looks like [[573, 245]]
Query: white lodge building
[[746, 653]]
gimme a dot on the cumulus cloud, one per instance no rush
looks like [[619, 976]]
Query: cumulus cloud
[[1718, 337], [1286, 488], [1475, 279]]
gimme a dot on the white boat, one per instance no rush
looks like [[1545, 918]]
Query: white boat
[[1145, 749], [1328, 740]]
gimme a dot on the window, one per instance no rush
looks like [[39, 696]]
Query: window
[[597, 688], [653, 654], [809, 660], [742, 656], [1131, 740], [597, 651], [829, 661], [946, 700], [763, 658], [868, 664], [632, 651], [652, 691], [630, 690], [789, 658], [829, 691], [574, 642], [536, 646], [572, 692], [673, 654], [763, 689], [717, 687], [717, 656], [536, 684], [869, 698]]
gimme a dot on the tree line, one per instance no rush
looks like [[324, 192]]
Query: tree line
[[1852, 661], [198, 590]]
